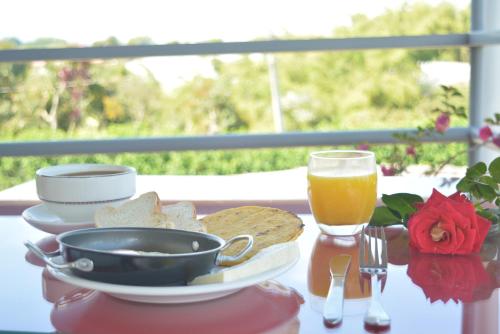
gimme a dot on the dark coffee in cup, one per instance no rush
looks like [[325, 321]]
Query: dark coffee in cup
[[93, 173]]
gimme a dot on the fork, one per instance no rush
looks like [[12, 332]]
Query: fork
[[375, 265]]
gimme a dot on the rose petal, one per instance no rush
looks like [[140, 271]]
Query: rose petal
[[459, 197], [459, 241]]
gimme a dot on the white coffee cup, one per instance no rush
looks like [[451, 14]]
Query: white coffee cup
[[74, 192]]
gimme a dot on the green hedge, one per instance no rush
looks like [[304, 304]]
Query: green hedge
[[17, 170]]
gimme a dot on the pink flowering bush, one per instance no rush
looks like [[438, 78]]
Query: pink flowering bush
[[363, 147], [410, 150], [485, 133], [388, 170], [442, 122], [450, 109]]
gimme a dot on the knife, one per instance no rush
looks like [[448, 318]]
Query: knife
[[334, 304]]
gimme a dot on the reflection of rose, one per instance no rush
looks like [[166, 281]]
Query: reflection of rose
[[447, 225], [443, 277]]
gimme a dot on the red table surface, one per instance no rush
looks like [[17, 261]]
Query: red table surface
[[422, 294]]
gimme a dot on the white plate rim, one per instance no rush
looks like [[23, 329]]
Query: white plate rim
[[171, 291]]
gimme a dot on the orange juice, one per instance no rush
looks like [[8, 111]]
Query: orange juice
[[342, 200]]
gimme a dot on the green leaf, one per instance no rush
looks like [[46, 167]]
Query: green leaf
[[475, 171], [402, 203], [465, 185], [486, 192], [474, 190], [460, 112], [488, 180], [445, 88], [494, 169], [396, 214], [449, 105], [382, 216]]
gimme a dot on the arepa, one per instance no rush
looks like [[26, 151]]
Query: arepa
[[268, 226]]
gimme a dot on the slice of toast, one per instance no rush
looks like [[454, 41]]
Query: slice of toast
[[183, 217], [144, 211]]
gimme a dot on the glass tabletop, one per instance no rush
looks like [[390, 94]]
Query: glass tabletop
[[422, 293]]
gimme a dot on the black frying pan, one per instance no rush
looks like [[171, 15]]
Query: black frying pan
[[140, 256]]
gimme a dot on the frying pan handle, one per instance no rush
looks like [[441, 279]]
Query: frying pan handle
[[82, 264], [231, 258]]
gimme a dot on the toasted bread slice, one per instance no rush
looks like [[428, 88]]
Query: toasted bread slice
[[183, 217], [144, 211]]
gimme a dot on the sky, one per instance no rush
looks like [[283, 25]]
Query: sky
[[185, 21], [85, 22]]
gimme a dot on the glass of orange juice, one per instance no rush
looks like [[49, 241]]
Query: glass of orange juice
[[342, 190]]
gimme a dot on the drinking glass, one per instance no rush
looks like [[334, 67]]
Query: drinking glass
[[342, 190]]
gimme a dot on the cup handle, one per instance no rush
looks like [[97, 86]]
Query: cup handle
[[82, 264], [231, 258]]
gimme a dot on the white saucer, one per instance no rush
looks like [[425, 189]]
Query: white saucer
[[41, 218], [171, 294]]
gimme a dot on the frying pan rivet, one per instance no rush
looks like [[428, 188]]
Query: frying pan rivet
[[195, 245]]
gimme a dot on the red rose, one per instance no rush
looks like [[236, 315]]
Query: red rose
[[447, 225], [443, 277]]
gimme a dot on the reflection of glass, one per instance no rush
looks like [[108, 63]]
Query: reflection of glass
[[325, 247], [481, 316], [265, 308], [342, 189]]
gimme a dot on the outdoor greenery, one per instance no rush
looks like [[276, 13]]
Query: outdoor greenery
[[321, 91], [16, 170]]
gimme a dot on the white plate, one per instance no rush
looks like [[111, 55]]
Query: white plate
[[171, 294], [41, 218]]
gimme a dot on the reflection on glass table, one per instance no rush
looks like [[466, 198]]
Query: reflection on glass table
[[357, 292], [266, 308]]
